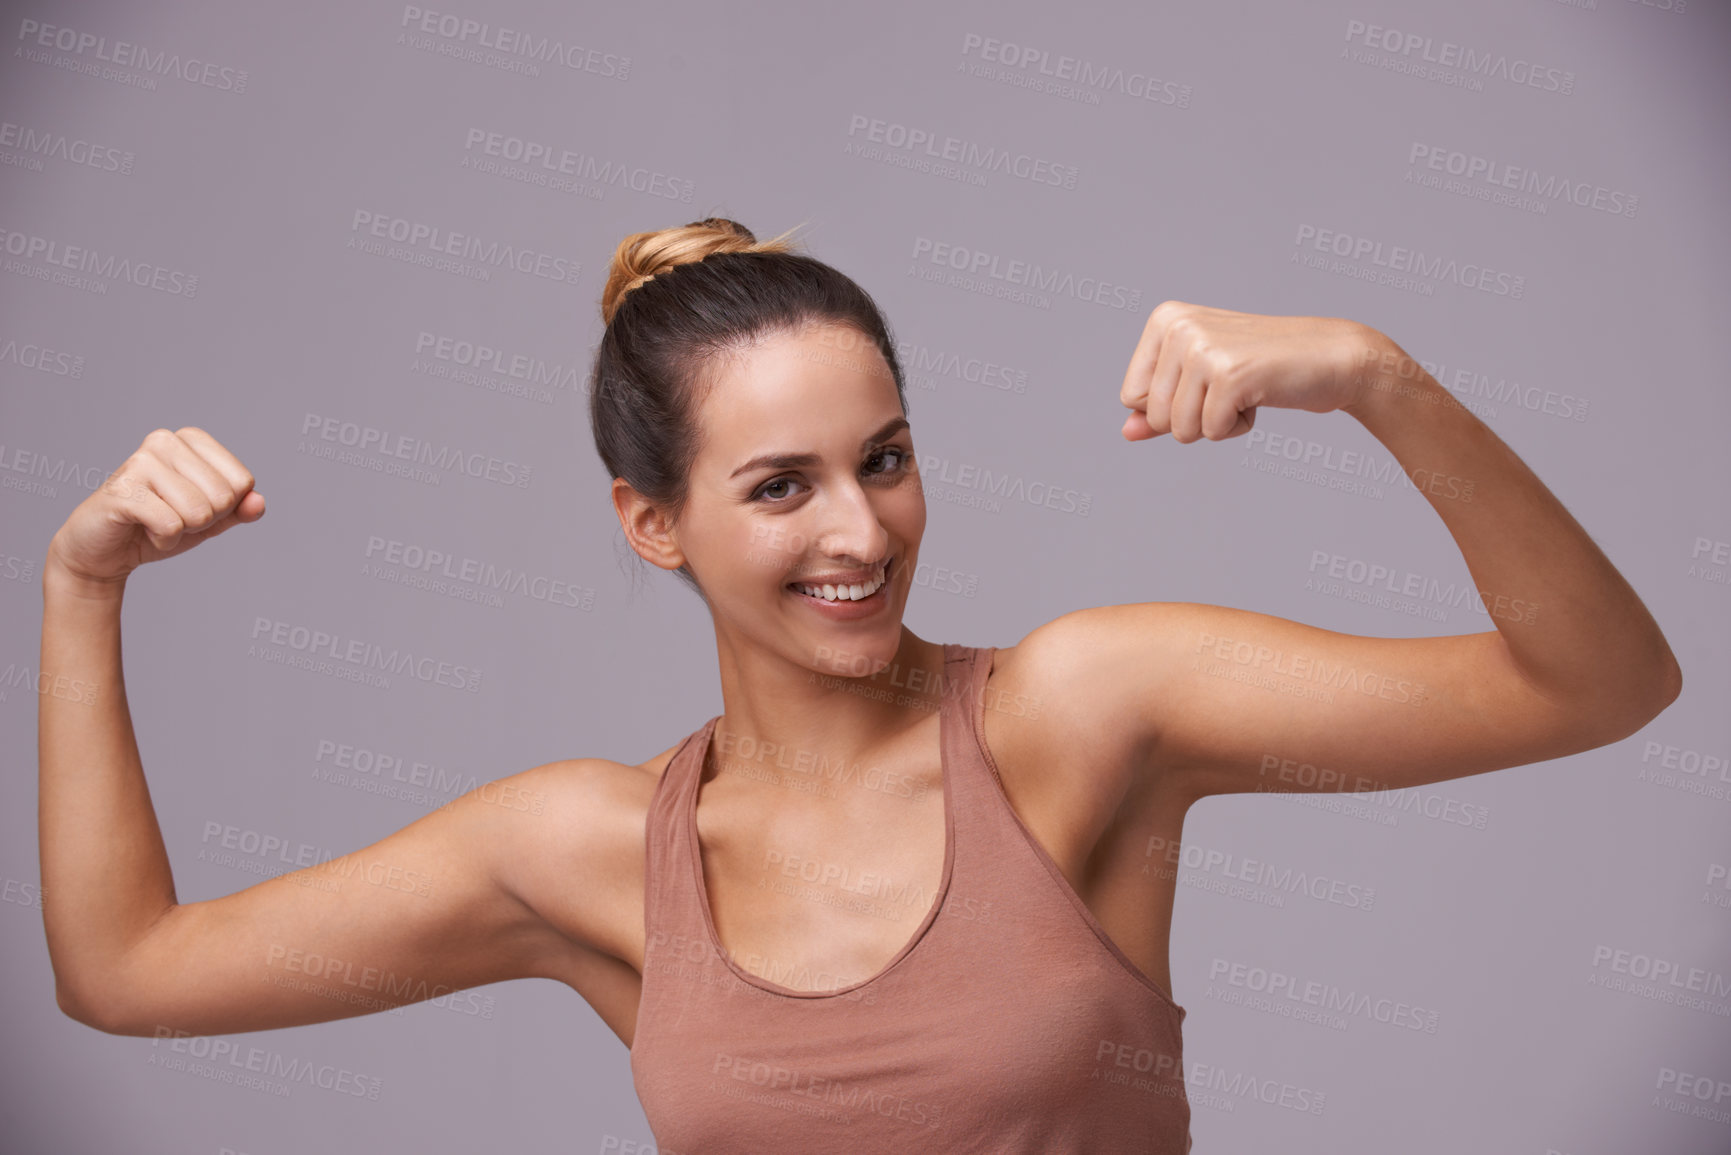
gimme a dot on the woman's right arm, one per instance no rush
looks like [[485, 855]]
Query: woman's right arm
[[429, 910]]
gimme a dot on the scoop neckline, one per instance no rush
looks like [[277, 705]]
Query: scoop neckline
[[948, 703]]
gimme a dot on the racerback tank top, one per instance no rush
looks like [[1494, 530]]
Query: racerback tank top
[[1009, 1022]]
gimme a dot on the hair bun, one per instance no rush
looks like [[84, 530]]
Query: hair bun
[[641, 256]]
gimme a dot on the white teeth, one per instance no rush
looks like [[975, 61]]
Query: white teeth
[[845, 593]]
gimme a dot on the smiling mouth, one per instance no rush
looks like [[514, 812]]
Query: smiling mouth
[[844, 594]]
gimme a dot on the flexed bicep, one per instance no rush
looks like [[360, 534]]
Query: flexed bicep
[[1230, 701]]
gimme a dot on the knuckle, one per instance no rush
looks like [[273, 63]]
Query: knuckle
[[123, 482]]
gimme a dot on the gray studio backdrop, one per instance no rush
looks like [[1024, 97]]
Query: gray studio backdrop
[[363, 245]]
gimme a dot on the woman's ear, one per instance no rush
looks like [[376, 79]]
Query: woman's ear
[[646, 527]]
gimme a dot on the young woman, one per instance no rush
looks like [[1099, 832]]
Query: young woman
[[899, 892]]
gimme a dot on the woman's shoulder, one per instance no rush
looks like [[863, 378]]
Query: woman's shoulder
[[592, 807], [577, 853], [606, 800], [593, 780], [1040, 709], [591, 786]]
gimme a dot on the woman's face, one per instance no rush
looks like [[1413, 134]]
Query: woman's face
[[806, 473]]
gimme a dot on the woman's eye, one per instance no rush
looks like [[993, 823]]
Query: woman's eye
[[899, 455], [884, 461], [769, 485]]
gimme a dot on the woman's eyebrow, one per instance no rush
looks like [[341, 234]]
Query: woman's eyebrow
[[790, 460]]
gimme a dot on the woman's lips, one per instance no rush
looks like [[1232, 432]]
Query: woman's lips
[[875, 595]]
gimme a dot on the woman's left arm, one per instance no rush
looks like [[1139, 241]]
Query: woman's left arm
[[1572, 625], [1223, 700]]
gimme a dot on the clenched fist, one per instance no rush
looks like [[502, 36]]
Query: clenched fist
[[176, 490], [1201, 372]]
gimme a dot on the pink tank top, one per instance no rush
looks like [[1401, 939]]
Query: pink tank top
[[1009, 1022]]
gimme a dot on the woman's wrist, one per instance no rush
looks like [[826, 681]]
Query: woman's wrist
[[60, 581], [1387, 378]]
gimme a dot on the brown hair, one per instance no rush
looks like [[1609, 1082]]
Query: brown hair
[[679, 300]]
